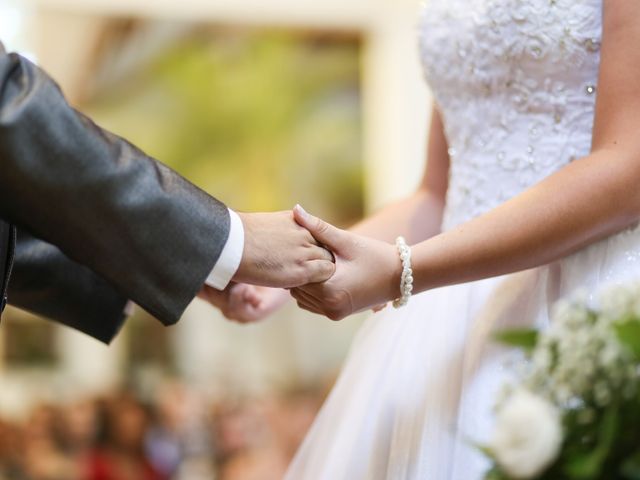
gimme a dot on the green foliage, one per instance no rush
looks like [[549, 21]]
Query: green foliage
[[495, 474], [605, 446], [261, 120], [630, 469], [587, 365], [525, 339], [628, 333], [589, 465]]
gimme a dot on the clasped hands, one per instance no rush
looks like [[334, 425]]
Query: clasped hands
[[328, 271]]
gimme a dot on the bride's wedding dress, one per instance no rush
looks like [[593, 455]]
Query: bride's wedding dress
[[516, 83]]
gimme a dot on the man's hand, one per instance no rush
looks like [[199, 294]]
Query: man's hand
[[245, 303], [367, 272], [280, 253]]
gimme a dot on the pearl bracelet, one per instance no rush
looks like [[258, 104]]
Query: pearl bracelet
[[406, 279]]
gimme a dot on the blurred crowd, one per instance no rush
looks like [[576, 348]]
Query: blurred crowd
[[177, 434]]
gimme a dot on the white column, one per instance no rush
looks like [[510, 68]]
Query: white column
[[86, 363], [11, 23], [397, 106], [217, 354], [198, 344]]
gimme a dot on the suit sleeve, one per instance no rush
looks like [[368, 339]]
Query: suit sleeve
[[46, 282], [103, 203]]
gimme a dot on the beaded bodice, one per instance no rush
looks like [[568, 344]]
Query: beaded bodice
[[515, 82]]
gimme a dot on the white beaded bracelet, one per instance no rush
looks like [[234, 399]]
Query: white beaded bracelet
[[406, 279]]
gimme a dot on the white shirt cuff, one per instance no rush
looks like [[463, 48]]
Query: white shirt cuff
[[229, 261]]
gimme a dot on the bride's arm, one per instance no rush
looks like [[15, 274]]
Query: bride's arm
[[587, 200], [418, 216]]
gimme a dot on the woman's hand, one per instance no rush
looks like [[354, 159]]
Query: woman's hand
[[245, 303], [367, 272]]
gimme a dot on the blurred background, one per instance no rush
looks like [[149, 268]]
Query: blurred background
[[264, 104]]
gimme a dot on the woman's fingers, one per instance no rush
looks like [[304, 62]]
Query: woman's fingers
[[323, 232], [309, 308], [307, 301], [320, 270]]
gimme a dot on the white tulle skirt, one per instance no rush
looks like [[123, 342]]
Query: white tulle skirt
[[418, 388]]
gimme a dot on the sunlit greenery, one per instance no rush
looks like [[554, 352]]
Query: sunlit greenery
[[260, 119]]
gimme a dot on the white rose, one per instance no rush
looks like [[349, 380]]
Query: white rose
[[528, 435]]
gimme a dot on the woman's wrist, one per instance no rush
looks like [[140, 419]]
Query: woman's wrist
[[394, 274], [406, 279]]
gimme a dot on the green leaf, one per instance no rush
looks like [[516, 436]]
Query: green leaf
[[630, 468], [521, 338], [486, 450], [588, 466], [495, 474], [629, 335]]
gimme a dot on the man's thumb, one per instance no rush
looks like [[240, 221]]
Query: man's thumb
[[323, 232]]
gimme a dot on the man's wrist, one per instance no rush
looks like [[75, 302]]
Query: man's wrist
[[229, 260]]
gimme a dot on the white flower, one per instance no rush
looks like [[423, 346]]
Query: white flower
[[580, 349], [528, 435]]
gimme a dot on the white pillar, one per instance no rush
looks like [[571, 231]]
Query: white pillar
[[198, 344], [87, 364], [396, 103], [12, 24]]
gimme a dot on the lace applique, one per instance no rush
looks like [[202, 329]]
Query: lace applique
[[515, 81]]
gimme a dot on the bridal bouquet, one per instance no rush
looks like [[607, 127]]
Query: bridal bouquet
[[574, 412]]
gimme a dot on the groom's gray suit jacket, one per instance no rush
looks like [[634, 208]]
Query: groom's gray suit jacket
[[88, 221]]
